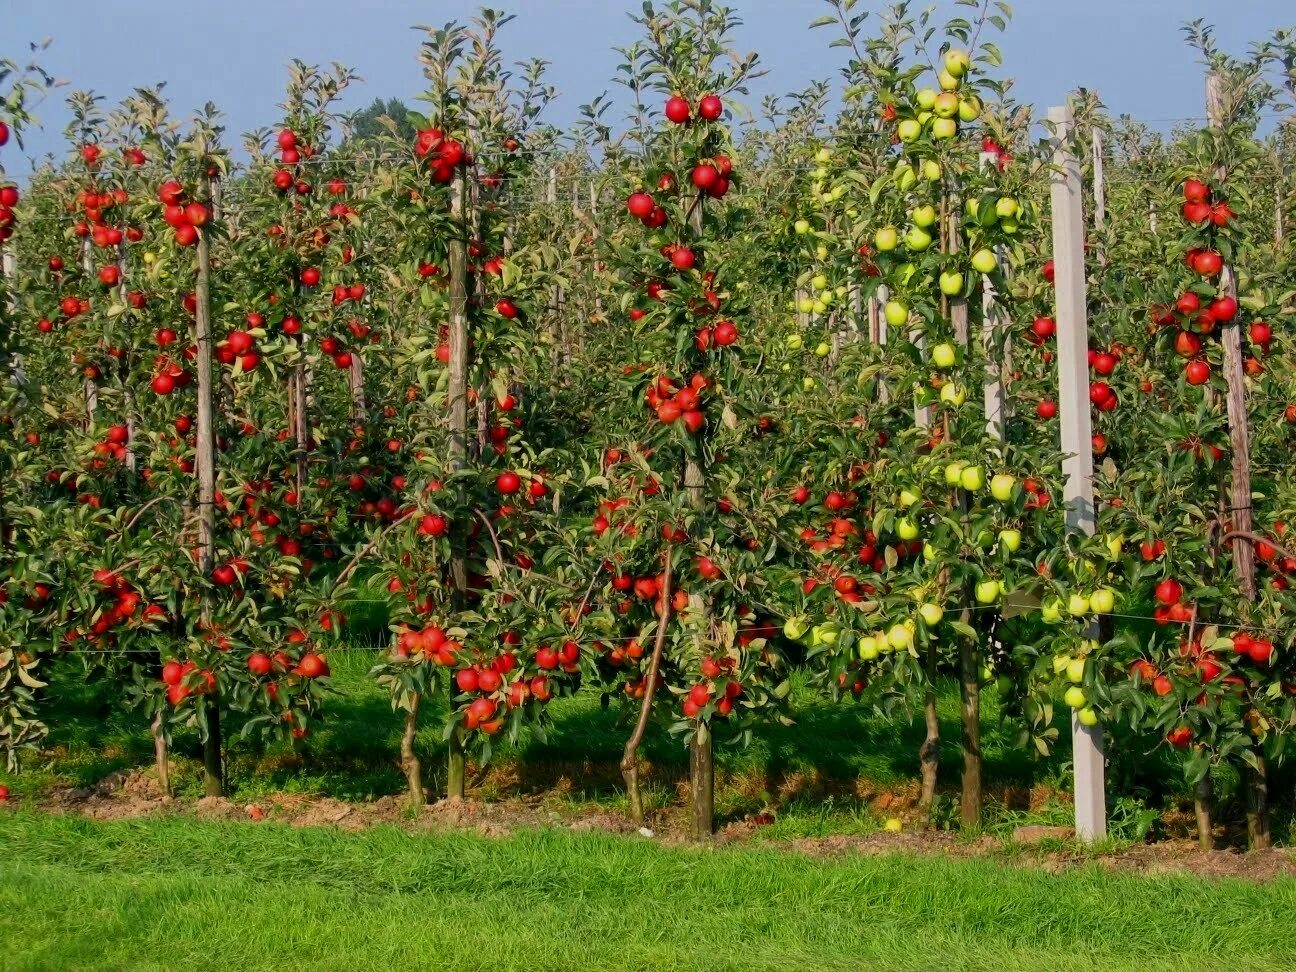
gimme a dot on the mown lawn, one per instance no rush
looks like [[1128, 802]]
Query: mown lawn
[[172, 893]]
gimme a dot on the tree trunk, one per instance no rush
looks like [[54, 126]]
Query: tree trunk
[[1256, 780], [1203, 807], [970, 691], [929, 753], [630, 759], [213, 766], [161, 754], [456, 769], [702, 780], [409, 761]]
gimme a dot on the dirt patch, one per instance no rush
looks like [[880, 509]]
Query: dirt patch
[[133, 794]]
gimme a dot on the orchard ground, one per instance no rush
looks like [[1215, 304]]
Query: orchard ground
[[839, 770]]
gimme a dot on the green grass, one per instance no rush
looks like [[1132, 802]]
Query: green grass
[[174, 893]]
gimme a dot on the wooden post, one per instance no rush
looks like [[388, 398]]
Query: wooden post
[[458, 404], [355, 379], [558, 298], [701, 755], [205, 466], [994, 326], [1073, 392], [1099, 182], [91, 390], [1240, 480]]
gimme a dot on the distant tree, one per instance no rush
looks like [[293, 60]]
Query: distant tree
[[378, 118]]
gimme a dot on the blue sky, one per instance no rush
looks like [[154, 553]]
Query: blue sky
[[233, 51]]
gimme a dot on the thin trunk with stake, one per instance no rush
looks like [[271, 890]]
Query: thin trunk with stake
[[458, 403], [630, 759], [1256, 784], [701, 756], [205, 463]]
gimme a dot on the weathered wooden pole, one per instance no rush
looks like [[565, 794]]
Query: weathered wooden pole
[[205, 466], [1256, 786], [701, 750], [1067, 190], [458, 403]]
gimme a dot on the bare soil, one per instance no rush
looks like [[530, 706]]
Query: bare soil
[[135, 794]]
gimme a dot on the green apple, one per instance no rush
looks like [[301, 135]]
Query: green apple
[[905, 177], [1011, 539], [896, 313], [1010, 225], [918, 239], [969, 109], [823, 156], [900, 636], [972, 479], [1075, 670], [948, 82], [944, 356], [868, 648], [886, 239], [1007, 208], [824, 634], [1087, 716], [819, 282], [987, 591], [923, 216], [1115, 544], [909, 131], [1075, 697], [931, 170], [926, 98], [1004, 686], [957, 62], [805, 305], [1001, 487], [984, 261], [1051, 611], [823, 349], [929, 553], [795, 628], [1060, 663], [951, 283], [908, 498], [794, 342], [931, 613], [802, 226], [1077, 605], [952, 394], [954, 473], [1103, 601], [808, 383], [947, 105], [906, 529], [821, 252], [944, 128], [985, 539]]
